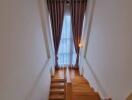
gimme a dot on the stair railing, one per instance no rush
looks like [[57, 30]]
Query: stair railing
[[68, 86]]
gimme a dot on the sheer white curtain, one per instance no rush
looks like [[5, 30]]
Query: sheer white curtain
[[66, 53]]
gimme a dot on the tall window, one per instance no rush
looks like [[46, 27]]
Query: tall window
[[66, 53]]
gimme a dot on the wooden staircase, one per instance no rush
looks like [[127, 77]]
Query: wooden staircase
[[81, 90], [76, 89], [58, 87]]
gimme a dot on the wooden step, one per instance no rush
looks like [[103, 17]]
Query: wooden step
[[86, 96], [80, 88], [57, 97], [57, 91], [57, 80], [57, 85]]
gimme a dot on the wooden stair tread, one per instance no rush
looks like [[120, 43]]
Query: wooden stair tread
[[85, 93], [57, 97], [57, 80], [57, 91], [57, 85], [86, 96]]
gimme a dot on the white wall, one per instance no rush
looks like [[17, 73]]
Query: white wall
[[24, 60], [108, 63]]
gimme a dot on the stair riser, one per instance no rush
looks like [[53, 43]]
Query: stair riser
[[57, 81], [52, 93]]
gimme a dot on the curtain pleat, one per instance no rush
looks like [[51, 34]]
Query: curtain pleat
[[78, 8], [56, 10]]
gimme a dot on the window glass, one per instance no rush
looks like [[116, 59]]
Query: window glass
[[66, 53]]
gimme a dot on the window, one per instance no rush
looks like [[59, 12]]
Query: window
[[66, 53]]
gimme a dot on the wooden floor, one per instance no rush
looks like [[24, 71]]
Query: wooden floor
[[80, 88]]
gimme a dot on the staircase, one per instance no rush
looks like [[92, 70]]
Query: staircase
[[77, 89], [81, 90], [57, 88]]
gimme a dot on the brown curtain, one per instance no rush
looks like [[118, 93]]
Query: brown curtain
[[56, 10], [77, 15]]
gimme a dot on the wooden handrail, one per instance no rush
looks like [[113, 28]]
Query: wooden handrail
[[68, 85], [68, 78], [68, 91]]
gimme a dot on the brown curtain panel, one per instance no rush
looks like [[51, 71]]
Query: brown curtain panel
[[78, 8], [56, 10]]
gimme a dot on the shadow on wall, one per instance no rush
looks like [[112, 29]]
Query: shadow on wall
[[97, 80]]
